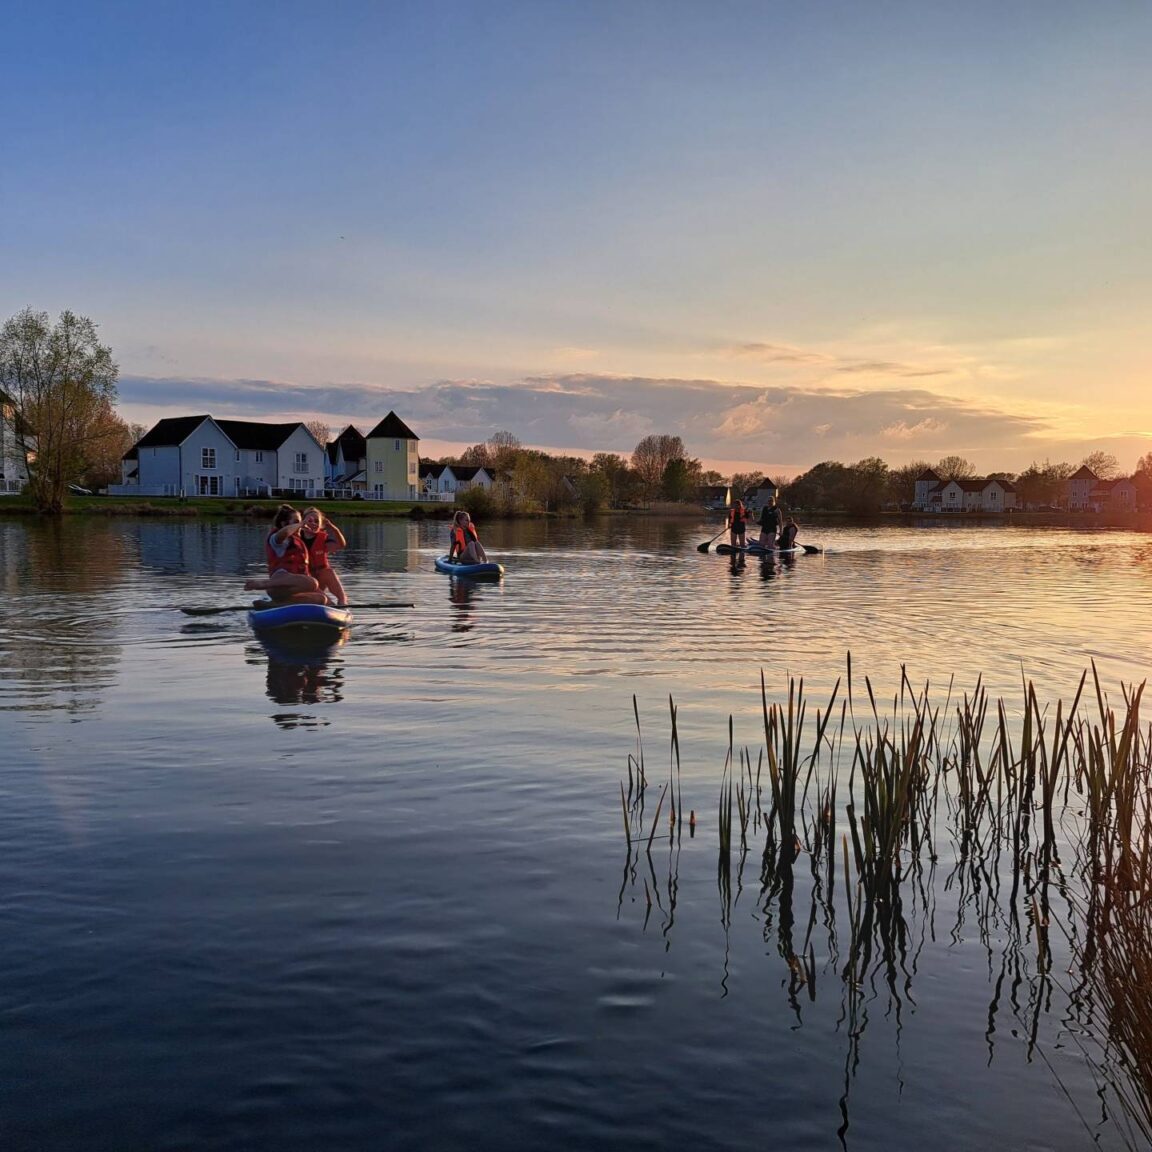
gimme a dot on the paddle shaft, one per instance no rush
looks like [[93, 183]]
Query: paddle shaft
[[211, 611]]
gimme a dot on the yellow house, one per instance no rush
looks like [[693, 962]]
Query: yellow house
[[393, 460]]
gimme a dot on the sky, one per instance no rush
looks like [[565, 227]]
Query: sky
[[787, 233]]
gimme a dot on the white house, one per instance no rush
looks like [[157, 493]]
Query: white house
[[346, 462], [927, 491], [13, 465], [1078, 489], [995, 495], [200, 456]]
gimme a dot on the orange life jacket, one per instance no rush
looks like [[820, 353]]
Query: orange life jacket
[[737, 513], [295, 558], [317, 550], [460, 538]]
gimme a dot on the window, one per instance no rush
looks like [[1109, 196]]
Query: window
[[207, 457], [397, 445], [378, 466], [301, 462], [237, 455], [259, 457]]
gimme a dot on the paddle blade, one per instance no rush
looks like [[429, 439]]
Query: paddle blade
[[702, 548]]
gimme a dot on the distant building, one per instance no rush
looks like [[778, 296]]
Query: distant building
[[202, 456], [393, 460], [927, 491], [346, 463], [14, 440], [975, 495], [714, 496], [1078, 489]]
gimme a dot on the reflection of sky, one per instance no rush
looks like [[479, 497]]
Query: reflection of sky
[[905, 231], [418, 866]]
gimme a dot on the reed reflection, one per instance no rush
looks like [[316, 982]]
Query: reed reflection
[[1004, 802]]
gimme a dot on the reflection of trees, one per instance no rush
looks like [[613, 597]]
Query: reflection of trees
[[854, 814], [60, 574]]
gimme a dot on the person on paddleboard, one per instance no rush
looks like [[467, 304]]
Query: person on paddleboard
[[737, 524], [464, 545], [788, 535], [320, 536], [287, 556], [769, 523]]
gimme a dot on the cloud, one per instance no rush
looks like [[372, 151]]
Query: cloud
[[785, 427]]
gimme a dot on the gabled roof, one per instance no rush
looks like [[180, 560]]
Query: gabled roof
[[467, 472], [392, 427], [1007, 485], [435, 471], [968, 485], [351, 442], [131, 454], [1083, 473], [170, 431], [928, 474], [254, 435]]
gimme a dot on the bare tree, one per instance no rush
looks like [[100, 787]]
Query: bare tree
[[1102, 465], [321, 429], [62, 383], [955, 468], [651, 456]]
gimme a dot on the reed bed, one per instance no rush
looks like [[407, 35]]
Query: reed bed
[[1043, 815]]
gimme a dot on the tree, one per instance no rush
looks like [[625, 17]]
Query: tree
[[1102, 465], [742, 481], [678, 481], [104, 452], [651, 456], [1042, 484], [867, 486], [320, 429], [902, 481], [62, 383], [955, 468], [621, 480]]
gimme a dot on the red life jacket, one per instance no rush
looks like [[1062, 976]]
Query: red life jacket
[[295, 558], [737, 515], [317, 550], [460, 538]]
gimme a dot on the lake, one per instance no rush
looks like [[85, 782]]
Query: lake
[[381, 896]]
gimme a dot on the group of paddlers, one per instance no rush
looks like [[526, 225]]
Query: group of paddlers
[[773, 532], [297, 554], [297, 548]]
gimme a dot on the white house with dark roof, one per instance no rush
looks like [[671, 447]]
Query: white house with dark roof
[[346, 462], [975, 495], [1078, 489], [201, 456]]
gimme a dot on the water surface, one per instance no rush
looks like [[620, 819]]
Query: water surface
[[377, 897]]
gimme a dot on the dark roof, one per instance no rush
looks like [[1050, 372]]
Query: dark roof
[[170, 431], [928, 474], [1007, 485], [131, 454], [467, 471], [254, 434], [1083, 473], [351, 442], [433, 470], [392, 426]]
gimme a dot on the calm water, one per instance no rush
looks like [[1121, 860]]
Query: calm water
[[378, 897]]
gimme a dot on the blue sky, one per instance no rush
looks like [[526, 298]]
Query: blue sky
[[787, 233]]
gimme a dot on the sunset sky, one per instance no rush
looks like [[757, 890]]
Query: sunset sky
[[785, 232]]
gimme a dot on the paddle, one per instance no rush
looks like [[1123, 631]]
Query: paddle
[[702, 548], [213, 611]]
